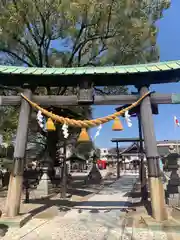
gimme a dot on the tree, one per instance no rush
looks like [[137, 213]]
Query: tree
[[85, 149], [77, 33], [74, 33]]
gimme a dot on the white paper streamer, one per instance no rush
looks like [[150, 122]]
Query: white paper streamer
[[65, 130], [98, 131], [41, 121], [127, 118]]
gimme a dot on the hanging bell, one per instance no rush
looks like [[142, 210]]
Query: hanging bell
[[50, 125], [83, 136], [117, 125]]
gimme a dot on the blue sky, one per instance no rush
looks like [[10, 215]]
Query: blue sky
[[169, 44]]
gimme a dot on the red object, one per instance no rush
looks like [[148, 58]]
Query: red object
[[101, 164], [176, 121]]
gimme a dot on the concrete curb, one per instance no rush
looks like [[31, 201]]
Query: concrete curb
[[17, 221]]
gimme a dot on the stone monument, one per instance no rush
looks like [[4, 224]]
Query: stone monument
[[45, 186], [94, 176], [173, 186]]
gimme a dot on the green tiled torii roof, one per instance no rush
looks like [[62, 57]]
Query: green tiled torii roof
[[160, 72], [151, 67]]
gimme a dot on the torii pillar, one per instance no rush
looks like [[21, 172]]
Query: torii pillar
[[13, 200], [159, 212]]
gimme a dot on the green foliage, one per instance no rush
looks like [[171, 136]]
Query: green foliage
[[8, 123], [79, 33], [6, 156]]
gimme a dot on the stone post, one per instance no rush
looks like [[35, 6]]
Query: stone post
[[16, 178], [159, 211]]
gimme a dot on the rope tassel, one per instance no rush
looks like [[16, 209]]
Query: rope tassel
[[50, 125], [117, 125], [83, 136]]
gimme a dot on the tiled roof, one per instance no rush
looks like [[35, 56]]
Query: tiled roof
[[158, 73], [76, 157], [130, 69]]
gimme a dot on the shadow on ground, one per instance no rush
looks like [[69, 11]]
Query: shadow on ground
[[104, 204], [80, 189], [62, 205]]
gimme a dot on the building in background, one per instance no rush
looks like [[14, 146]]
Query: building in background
[[104, 153], [131, 152], [168, 146]]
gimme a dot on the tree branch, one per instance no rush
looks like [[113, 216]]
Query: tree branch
[[26, 21], [40, 42], [30, 29], [92, 38], [109, 17], [100, 91], [16, 56], [29, 52], [42, 38], [75, 45], [103, 48], [46, 48]]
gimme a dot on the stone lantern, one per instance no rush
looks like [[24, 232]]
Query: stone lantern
[[173, 186]]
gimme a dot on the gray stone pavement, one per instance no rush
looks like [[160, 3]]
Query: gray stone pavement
[[100, 217]]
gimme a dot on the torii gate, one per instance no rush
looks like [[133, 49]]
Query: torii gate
[[141, 76]]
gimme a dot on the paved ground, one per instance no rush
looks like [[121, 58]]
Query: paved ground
[[88, 220], [102, 216], [34, 195]]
